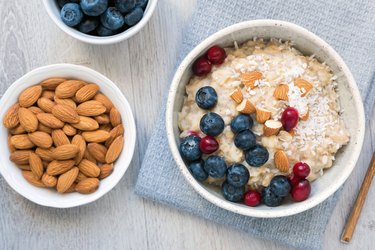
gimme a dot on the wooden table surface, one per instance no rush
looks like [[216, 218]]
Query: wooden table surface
[[141, 67]]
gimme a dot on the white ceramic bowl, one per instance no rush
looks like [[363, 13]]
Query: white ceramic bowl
[[49, 197], [53, 11], [350, 99]]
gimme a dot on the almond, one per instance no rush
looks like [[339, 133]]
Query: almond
[[41, 139], [65, 152], [59, 167], [249, 78], [86, 92], [36, 165], [17, 130], [281, 161], [81, 177], [20, 157], [246, 107], [272, 127], [115, 149], [10, 145], [29, 96], [21, 142], [106, 127], [86, 124], [27, 120], [105, 171], [66, 180], [102, 119], [44, 128], [281, 92], [49, 180], [71, 189], [59, 138], [305, 115], [96, 136], [104, 100], [98, 151], [87, 186], [67, 101], [36, 110], [30, 177], [89, 168], [10, 119], [48, 94], [89, 157], [65, 113], [69, 130], [262, 115], [236, 95], [304, 85], [81, 144], [50, 120], [52, 83], [68, 88], [91, 108], [45, 153], [114, 133], [24, 167], [45, 104], [114, 117]]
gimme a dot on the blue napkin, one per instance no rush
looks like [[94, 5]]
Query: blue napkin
[[348, 26]]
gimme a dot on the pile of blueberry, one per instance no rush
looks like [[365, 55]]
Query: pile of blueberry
[[101, 17]]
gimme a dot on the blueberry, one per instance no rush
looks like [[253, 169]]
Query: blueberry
[[212, 124], [206, 97], [257, 156], [103, 31], [134, 16], [280, 185], [196, 169], [125, 6], [237, 175], [189, 148], [215, 166], [141, 3], [94, 7], [112, 19], [232, 193], [88, 25], [71, 14], [270, 199], [241, 123], [245, 140], [61, 3]]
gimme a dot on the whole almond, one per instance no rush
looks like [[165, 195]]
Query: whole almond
[[68, 88], [89, 168], [96, 136], [86, 92], [66, 101], [59, 167], [10, 145], [65, 113], [48, 94], [89, 157], [44, 128], [20, 157], [27, 120], [41, 139], [30, 177], [45, 153], [115, 149], [66, 180], [49, 180], [65, 152], [102, 119], [17, 130], [10, 119], [104, 100], [281, 161], [59, 137], [87, 186], [29, 96], [50, 120], [86, 124], [91, 108], [81, 144], [45, 104], [81, 177], [36, 165], [52, 83], [115, 132], [36, 110], [114, 117], [106, 127], [105, 171], [21, 142], [71, 189], [24, 167], [98, 151], [69, 130]]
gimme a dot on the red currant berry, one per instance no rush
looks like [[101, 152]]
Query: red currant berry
[[289, 118], [301, 170], [216, 55], [252, 198], [208, 145], [193, 133], [202, 66], [301, 191], [293, 180]]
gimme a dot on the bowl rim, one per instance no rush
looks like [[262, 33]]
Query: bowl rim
[[150, 8], [130, 142], [248, 211]]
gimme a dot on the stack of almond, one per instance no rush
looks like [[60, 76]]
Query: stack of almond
[[64, 134]]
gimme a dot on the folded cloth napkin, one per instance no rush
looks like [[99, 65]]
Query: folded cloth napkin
[[346, 25]]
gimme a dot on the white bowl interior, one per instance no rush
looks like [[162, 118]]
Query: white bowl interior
[[49, 197], [350, 100]]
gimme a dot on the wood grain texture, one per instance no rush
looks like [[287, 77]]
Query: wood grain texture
[[141, 67]]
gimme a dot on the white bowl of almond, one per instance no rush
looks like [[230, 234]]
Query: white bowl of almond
[[265, 119], [68, 135]]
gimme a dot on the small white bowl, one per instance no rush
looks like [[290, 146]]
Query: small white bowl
[[350, 99], [48, 197], [53, 11]]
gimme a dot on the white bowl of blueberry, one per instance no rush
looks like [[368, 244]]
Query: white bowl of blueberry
[[100, 21], [265, 119]]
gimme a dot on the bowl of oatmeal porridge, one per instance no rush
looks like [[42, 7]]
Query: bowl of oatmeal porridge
[[244, 130]]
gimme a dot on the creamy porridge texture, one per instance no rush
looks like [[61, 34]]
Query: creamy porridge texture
[[262, 79]]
